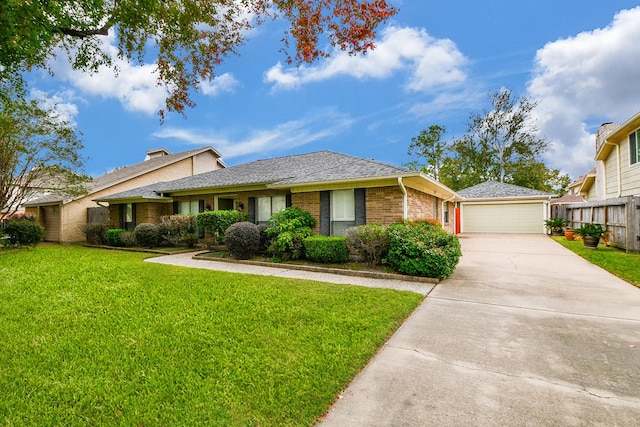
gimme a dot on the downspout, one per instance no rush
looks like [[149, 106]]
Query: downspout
[[444, 202], [405, 200], [619, 170]]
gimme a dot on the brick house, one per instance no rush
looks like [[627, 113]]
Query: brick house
[[63, 218], [338, 190]]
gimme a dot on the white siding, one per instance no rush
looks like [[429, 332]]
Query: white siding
[[205, 162]]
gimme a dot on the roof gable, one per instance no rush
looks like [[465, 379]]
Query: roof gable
[[498, 190], [126, 173]]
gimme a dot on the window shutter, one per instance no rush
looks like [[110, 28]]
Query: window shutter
[[122, 214], [360, 195], [200, 205], [133, 216], [325, 213], [288, 201], [251, 209], [176, 208]]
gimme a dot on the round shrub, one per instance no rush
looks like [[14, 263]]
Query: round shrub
[[147, 235], [422, 251], [326, 248], [242, 239], [24, 231]]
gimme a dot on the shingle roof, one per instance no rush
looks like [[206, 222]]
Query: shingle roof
[[495, 190], [128, 172], [320, 166]]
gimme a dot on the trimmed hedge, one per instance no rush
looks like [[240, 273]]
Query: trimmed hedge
[[421, 250], [326, 249], [113, 236]]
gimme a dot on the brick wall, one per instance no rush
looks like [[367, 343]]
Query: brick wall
[[309, 202], [421, 205], [384, 205]]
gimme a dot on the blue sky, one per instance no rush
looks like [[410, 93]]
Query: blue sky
[[435, 62]]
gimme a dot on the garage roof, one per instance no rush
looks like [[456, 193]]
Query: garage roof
[[500, 190]]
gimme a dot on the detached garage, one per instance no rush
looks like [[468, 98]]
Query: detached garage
[[495, 207]]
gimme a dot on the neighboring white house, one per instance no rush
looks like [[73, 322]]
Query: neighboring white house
[[617, 171]]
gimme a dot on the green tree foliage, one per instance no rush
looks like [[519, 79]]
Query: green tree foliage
[[500, 144], [39, 152], [187, 39], [429, 147]]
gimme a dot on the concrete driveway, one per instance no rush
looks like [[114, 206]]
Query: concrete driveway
[[524, 333]]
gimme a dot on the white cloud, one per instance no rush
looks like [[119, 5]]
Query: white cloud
[[135, 86], [433, 63], [224, 83], [582, 81], [283, 136], [59, 103]]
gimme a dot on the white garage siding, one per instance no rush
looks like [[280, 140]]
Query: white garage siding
[[511, 217]]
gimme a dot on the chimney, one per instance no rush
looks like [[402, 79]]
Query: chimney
[[603, 132], [157, 152]]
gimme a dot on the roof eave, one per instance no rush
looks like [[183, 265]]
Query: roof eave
[[541, 197]]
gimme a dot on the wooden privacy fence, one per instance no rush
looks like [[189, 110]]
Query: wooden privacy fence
[[620, 216], [97, 215]]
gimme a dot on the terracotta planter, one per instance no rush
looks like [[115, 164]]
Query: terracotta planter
[[591, 242], [568, 233]]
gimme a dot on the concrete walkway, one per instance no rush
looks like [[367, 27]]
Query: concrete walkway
[[186, 260], [523, 333]]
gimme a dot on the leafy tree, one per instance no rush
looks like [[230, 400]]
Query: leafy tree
[[500, 145], [429, 146], [188, 37], [38, 153]]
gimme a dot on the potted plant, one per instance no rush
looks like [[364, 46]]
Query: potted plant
[[591, 234], [568, 233], [555, 226]]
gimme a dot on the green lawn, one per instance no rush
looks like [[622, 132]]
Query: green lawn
[[98, 337], [617, 262]]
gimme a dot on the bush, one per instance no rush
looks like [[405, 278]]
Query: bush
[[288, 229], [217, 222], [23, 230], [146, 235], [422, 250], [326, 249], [242, 239], [113, 236], [127, 239], [370, 241], [189, 235], [265, 240], [95, 234]]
